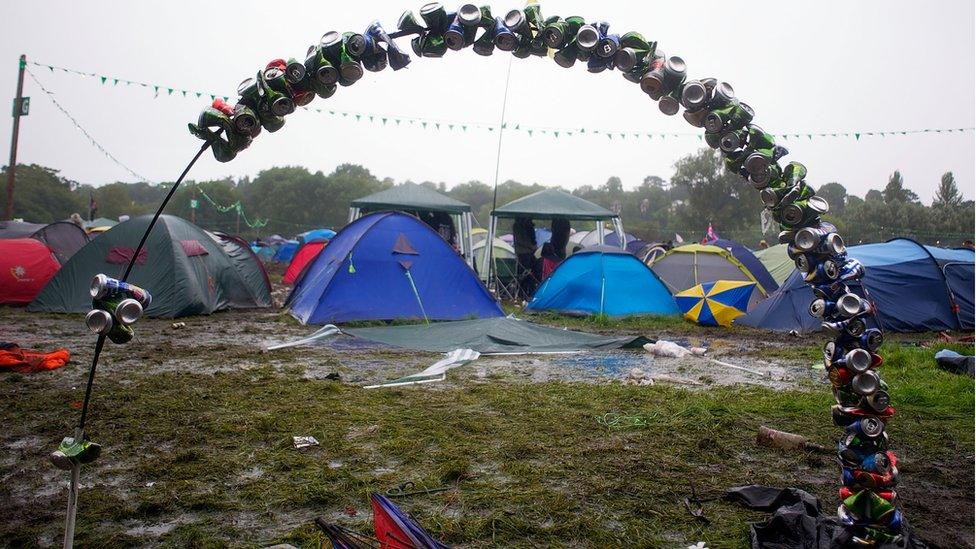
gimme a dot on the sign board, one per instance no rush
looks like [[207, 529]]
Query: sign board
[[21, 106], [194, 203]]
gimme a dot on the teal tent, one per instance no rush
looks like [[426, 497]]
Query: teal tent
[[186, 270], [603, 280]]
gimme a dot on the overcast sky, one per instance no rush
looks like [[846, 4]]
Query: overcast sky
[[810, 67]]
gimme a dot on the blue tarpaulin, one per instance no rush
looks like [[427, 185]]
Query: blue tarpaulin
[[316, 234], [389, 266], [604, 280], [916, 288]]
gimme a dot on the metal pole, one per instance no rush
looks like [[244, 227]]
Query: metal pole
[[12, 167], [498, 161], [69, 523]]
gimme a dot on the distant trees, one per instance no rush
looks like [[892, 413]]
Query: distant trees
[[836, 196], [947, 196], [895, 190], [43, 195], [292, 199]]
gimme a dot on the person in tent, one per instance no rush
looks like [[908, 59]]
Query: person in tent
[[523, 233], [550, 259], [559, 239], [444, 226]]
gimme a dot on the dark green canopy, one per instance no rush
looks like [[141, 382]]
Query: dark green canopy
[[410, 196], [553, 204]]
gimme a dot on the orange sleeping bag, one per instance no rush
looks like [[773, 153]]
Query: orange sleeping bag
[[15, 359]]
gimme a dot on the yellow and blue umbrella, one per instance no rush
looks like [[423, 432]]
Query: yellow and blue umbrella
[[715, 303]]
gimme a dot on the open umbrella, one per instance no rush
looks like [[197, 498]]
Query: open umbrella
[[715, 303]]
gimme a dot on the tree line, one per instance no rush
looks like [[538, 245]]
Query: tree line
[[292, 199]]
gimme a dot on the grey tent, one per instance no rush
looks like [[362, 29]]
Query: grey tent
[[418, 199], [684, 267], [186, 271], [63, 237], [251, 269], [552, 204]]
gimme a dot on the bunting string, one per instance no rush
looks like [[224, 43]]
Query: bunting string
[[390, 120], [79, 127], [237, 206]]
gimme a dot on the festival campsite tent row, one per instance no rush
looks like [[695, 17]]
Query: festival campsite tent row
[[188, 271], [388, 266], [62, 237], [916, 288]]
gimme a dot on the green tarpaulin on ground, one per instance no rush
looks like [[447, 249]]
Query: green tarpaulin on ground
[[493, 336]]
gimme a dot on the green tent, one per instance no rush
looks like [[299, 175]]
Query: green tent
[[100, 222], [777, 262], [184, 268]]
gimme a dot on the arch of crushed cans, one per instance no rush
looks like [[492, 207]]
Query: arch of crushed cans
[[869, 471]]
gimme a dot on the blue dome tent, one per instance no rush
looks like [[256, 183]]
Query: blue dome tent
[[604, 280], [286, 252], [389, 266], [917, 288]]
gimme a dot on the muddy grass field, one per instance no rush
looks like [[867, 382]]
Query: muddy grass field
[[535, 451]]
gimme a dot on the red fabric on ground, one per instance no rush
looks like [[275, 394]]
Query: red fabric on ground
[[15, 359]]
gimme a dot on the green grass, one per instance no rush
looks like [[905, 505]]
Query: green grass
[[532, 464]]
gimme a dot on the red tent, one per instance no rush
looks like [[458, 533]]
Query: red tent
[[25, 267], [304, 256]]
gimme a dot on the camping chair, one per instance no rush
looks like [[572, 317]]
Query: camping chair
[[506, 279]]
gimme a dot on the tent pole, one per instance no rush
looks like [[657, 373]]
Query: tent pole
[[618, 227], [489, 244], [600, 231], [469, 239]]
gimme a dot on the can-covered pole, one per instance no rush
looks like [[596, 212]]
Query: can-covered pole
[[12, 166]]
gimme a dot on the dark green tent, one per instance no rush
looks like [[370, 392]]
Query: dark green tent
[[409, 197], [553, 204], [185, 269]]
